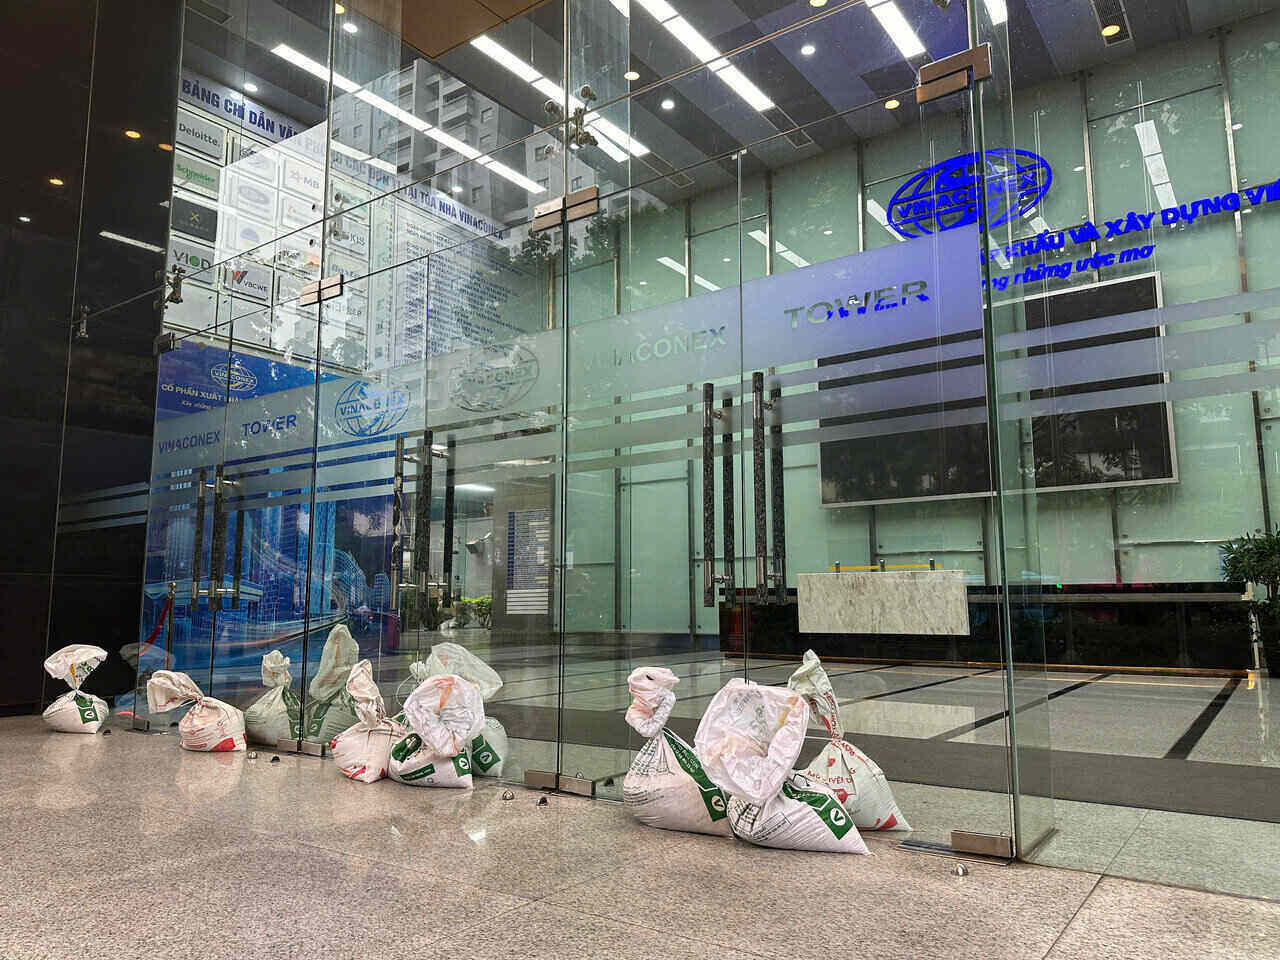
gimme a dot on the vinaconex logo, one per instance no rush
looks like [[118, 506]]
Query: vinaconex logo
[[494, 377], [235, 375], [366, 410], [946, 195]]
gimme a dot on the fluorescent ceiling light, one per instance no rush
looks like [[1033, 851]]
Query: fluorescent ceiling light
[[744, 88], [120, 238], [502, 55], [878, 212], [704, 283], [1153, 158], [661, 10], [622, 6], [250, 87], [615, 154], [616, 134], [453, 143], [360, 155], [1148, 139], [350, 27], [895, 24], [519, 179], [1000, 258], [997, 11], [1157, 170], [474, 487], [391, 110], [1164, 193], [286, 52], [785, 252], [667, 261], [693, 41]]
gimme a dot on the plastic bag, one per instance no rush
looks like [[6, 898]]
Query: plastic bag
[[490, 747], [445, 715], [803, 815], [363, 750], [330, 708], [275, 715], [666, 786], [75, 712], [853, 776], [750, 737], [211, 726]]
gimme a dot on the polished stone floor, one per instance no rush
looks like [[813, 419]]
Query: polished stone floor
[[125, 846]]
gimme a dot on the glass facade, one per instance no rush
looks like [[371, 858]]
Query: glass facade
[[829, 336]]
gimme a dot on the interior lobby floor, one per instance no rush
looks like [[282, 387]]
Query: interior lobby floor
[[125, 846]]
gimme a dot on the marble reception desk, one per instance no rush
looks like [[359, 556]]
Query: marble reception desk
[[915, 602]]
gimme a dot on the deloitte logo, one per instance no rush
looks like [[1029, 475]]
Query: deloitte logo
[[366, 410], [235, 375], [946, 195]]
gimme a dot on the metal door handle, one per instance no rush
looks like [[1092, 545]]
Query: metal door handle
[[708, 496], [777, 501], [197, 540], [757, 478], [237, 560], [730, 585], [422, 513], [218, 549], [451, 450], [397, 520]]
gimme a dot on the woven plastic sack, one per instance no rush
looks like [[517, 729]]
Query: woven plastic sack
[[750, 737], [363, 750], [75, 712], [276, 715], [330, 708], [210, 726], [854, 777], [803, 815], [445, 714], [489, 749], [666, 786]]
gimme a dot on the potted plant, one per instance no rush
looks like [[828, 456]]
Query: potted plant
[[1255, 558]]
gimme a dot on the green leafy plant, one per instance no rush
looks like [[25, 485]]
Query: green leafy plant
[[1255, 558], [481, 608]]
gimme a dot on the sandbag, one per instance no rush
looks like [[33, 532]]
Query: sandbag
[[330, 708], [445, 715], [210, 726], [74, 711], [666, 786], [750, 737], [854, 777], [362, 751], [275, 715], [803, 815], [490, 747]]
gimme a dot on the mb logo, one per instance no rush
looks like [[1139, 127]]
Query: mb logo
[[366, 410], [949, 194]]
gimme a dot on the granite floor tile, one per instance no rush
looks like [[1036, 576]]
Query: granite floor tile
[[1089, 835], [1124, 920]]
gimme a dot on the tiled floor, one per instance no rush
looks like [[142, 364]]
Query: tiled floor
[[125, 846]]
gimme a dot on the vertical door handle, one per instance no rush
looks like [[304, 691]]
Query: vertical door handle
[[451, 451], [730, 576], [397, 521], [218, 548], [197, 540], [777, 502], [422, 517], [708, 496], [757, 478]]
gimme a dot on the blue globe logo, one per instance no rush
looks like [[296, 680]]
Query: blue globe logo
[[366, 410], [946, 195]]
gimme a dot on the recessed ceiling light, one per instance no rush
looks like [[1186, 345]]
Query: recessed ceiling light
[[56, 181], [808, 50], [1236, 126], [133, 134], [339, 9], [1111, 29], [891, 104], [826, 233], [165, 146], [457, 188], [1079, 169], [250, 87], [350, 27], [644, 283], [728, 259], [668, 104], [817, 3], [631, 75], [25, 219]]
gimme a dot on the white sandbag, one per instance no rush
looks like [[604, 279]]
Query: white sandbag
[[445, 715], [451, 658], [803, 815], [363, 750], [330, 708], [750, 737], [489, 749], [75, 712], [666, 786], [854, 777], [210, 726], [276, 714]]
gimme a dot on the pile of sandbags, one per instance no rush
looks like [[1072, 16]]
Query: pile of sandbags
[[75, 712], [363, 750], [210, 726], [276, 715], [854, 777], [444, 714], [488, 749], [330, 708], [748, 743], [666, 786]]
